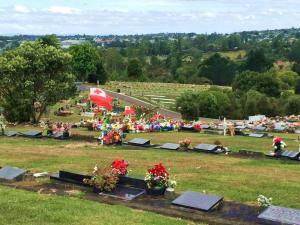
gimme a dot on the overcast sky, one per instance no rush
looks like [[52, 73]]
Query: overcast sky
[[145, 16]]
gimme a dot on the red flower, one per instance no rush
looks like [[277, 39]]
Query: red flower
[[120, 165]]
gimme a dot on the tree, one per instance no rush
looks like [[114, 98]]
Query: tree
[[293, 105], [50, 40], [134, 69], [257, 61], [266, 83], [297, 86], [84, 61], [294, 54], [33, 77], [99, 76], [220, 70]]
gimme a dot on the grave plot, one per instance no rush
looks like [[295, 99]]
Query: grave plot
[[257, 135], [128, 188], [140, 142], [198, 201], [11, 133], [292, 155], [170, 146], [208, 148], [12, 174], [281, 215], [31, 134]]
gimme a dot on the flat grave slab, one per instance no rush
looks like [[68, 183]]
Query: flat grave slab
[[33, 134], [170, 146], [256, 135], [205, 126], [139, 142], [206, 148], [12, 173], [198, 201], [281, 215], [124, 193], [11, 133]]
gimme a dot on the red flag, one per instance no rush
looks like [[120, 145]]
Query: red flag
[[100, 98], [129, 110]]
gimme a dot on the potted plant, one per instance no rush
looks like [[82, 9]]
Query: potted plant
[[120, 166], [103, 180], [157, 180], [184, 145]]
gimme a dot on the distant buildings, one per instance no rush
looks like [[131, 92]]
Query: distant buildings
[[68, 43]]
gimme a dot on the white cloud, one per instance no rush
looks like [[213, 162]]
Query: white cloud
[[63, 10], [21, 9]]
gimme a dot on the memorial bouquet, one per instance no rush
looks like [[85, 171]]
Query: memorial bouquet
[[185, 143], [263, 201], [120, 166], [103, 179], [157, 177]]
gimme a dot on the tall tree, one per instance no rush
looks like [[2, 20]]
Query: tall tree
[[134, 69], [33, 77], [257, 61], [50, 40]]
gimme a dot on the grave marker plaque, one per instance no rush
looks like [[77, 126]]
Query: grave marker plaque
[[10, 133], [206, 148], [125, 193], [170, 146], [256, 135], [31, 134], [198, 201], [139, 142], [281, 215], [12, 173]]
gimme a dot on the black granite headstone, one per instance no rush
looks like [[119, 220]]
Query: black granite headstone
[[206, 148], [170, 146], [196, 200], [12, 173], [124, 193], [139, 142], [281, 215], [69, 177]]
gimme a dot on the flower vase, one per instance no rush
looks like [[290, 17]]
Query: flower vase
[[170, 193], [156, 191]]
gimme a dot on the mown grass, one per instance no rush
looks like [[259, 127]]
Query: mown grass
[[236, 179], [27, 208]]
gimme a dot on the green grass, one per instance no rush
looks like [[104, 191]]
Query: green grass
[[27, 208], [236, 179]]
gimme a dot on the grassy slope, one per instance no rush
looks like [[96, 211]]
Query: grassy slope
[[234, 178], [26, 208]]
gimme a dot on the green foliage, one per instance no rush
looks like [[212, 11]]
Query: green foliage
[[85, 61], [50, 40], [134, 69], [293, 105], [33, 77], [294, 54], [266, 83], [297, 86], [219, 70], [100, 75], [257, 61], [288, 78]]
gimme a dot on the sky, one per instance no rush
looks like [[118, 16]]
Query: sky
[[101, 17]]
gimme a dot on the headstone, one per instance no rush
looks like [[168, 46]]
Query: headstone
[[32, 134], [58, 135], [132, 181], [206, 148], [124, 193], [281, 215], [198, 201], [205, 126], [170, 146], [10, 133], [69, 177], [139, 142], [12, 173], [294, 155], [256, 135]]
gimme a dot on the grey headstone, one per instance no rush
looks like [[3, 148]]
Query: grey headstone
[[31, 134], [170, 146], [139, 141], [260, 128], [281, 215], [256, 135], [206, 147], [205, 126], [196, 200], [12, 173], [10, 133], [294, 155], [125, 193]]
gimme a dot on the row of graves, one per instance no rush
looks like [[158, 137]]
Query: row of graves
[[154, 192]]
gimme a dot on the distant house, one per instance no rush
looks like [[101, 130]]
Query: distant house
[[103, 42], [68, 43]]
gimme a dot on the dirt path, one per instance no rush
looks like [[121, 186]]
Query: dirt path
[[138, 102]]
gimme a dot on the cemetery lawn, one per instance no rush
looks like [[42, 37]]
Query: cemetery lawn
[[27, 208], [237, 179]]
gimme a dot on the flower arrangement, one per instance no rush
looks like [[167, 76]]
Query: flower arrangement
[[120, 166], [263, 201], [157, 177], [185, 143], [105, 179]]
